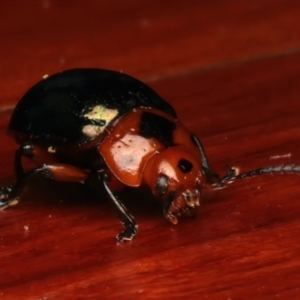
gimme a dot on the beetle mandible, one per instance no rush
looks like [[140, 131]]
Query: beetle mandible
[[92, 122]]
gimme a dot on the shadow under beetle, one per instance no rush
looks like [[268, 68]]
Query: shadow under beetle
[[91, 122]]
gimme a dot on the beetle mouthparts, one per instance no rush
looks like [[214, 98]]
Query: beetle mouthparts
[[184, 205], [192, 198]]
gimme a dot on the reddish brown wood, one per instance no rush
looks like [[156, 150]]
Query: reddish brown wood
[[148, 39], [231, 70]]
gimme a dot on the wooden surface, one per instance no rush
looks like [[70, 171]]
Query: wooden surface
[[232, 71]]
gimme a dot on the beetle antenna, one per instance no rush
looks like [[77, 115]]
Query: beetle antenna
[[283, 169]]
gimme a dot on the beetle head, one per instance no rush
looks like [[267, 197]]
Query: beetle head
[[175, 176]]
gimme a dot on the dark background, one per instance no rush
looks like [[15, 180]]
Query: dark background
[[231, 70]]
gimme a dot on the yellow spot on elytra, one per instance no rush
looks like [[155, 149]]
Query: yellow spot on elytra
[[92, 130], [51, 149], [98, 113]]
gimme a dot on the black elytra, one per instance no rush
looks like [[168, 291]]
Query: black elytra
[[53, 112]]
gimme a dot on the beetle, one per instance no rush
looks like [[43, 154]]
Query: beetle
[[93, 122]]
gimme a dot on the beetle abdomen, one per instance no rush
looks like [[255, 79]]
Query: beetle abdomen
[[75, 106]]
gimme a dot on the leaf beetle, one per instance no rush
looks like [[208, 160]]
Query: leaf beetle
[[85, 122]]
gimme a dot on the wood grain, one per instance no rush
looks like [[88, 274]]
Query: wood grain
[[231, 69]]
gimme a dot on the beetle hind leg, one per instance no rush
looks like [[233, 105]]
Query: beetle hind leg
[[10, 195]]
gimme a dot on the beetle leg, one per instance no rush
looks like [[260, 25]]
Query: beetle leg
[[36, 153], [126, 218], [211, 177], [10, 196], [7, 194], [19, 171]]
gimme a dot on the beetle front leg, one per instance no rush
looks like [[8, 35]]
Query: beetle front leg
[[127, 219]]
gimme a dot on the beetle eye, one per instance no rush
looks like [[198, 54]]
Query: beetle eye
[[162, 184]]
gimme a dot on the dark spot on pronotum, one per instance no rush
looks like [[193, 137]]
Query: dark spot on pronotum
[[185, 166], [155, 126]]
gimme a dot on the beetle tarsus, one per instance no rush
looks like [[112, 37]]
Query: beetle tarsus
[[127, 219], [3, 205], [128, 234], [8, 197], [5, 192], [7, 203]]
